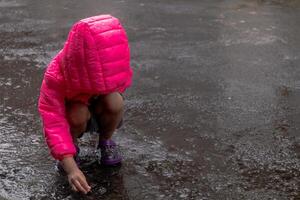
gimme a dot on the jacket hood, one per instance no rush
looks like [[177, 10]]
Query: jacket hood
[[93, 44]]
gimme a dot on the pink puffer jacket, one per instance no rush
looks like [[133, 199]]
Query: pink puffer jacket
[[95, 60]]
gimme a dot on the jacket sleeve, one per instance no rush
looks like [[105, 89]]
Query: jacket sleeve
[[52, 110]]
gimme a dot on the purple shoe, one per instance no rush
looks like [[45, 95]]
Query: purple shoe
[[109, 153]]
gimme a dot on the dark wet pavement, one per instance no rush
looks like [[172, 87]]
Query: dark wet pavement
[[214, 111]]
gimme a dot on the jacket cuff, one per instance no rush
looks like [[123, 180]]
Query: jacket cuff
[[59, 151]]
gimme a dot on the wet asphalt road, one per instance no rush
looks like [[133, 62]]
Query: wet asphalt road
[[214, 111]]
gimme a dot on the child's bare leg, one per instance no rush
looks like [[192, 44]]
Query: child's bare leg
[[78, 115], [109, 111]]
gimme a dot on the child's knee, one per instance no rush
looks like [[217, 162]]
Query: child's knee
[[113, 103], [78, 115]]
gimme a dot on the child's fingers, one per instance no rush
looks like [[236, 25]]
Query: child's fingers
[[84, 184], [79, 187], [74, 188]]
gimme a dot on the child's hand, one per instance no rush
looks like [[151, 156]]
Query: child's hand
[[76, 178], [78, 181]]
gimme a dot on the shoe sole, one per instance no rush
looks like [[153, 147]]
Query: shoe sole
[[111, 163]]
